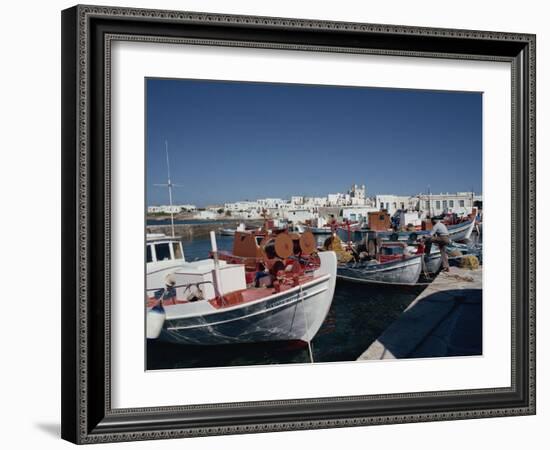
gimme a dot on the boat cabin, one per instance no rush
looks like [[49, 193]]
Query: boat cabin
[[163, 248]]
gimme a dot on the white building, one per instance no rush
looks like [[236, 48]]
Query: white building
[[315, 201], [297, 200], [189, 207], [392, 203], [247, 214], [337, 199], [205, 215], [460, 203], [270, 203], [358, 194], [241, 206], [167, 209], [357, 213], [300, 215], [154, 209]]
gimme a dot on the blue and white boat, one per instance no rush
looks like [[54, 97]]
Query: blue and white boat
[[457, 233], [394, 263]]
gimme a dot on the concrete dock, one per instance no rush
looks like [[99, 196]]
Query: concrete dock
[[444, 320]]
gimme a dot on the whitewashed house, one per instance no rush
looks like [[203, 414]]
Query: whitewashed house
[[460, 203]]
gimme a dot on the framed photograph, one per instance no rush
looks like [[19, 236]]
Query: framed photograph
[[281, 224]]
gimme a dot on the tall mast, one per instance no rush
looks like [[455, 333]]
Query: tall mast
[[169, 185], [170, 189]]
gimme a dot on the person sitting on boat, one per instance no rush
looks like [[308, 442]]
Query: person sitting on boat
[[262, 277], [439, 235]]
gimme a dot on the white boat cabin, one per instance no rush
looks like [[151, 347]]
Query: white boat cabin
[[163, 248]]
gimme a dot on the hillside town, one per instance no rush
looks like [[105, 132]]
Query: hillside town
[[353, 205]]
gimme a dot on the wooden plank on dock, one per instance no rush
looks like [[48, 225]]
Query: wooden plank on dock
[[430, 326]]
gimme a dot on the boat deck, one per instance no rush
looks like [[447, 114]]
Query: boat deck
[[241, 297]]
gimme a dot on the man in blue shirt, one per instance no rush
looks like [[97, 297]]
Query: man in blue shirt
[[439, 235]]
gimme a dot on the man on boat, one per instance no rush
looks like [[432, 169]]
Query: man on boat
[[439, 236]]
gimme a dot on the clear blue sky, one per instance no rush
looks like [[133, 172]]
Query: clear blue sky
[[232, 141]]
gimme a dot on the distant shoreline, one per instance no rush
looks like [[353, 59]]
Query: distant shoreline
[[189, 220], [194, 228]]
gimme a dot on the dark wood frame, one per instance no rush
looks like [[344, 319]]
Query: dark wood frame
[[87, 32]]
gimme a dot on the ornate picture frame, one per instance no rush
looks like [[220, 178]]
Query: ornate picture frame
[[87, 35]]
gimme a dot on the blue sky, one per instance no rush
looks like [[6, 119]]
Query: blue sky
[[232, 141]]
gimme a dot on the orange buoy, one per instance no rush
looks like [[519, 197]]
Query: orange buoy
[[308, 243], [283, 245]]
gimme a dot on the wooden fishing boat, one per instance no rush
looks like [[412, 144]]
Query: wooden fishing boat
[[457, 233], [394, 263], [319, 230], [399, 271], [232, 231], [217, 301], [227, 231], [432, 262]]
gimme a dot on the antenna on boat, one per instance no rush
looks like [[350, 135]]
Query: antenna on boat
[[169, 185]]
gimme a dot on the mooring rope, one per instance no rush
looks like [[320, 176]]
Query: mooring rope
[[309, 345]]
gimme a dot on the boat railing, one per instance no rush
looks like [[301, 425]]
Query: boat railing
[[176, 286]]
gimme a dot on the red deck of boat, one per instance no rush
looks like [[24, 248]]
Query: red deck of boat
[[253, 294]]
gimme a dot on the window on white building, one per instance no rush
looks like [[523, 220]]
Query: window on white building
[[451, 203], [461, 203], [437, 204]]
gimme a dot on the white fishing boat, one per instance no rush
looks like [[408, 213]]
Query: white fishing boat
[[403, 271], [461, 231], [319, 225], [232, 231], [395, 263], [432, 262], [209, 303], [319, 230], [457, 233]]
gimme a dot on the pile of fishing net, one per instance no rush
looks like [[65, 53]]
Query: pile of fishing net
[[469, 262], [334, 243]]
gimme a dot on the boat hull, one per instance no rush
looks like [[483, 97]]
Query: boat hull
[[295, 314], [432, 263], [319, 230], [401, 272], [457, 233]]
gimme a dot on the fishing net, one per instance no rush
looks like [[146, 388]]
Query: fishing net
[[469, 262], [334, 243]]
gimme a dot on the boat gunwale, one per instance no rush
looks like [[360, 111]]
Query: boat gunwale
[[308, 284], [287, 304], [389, 265], [387, 283]]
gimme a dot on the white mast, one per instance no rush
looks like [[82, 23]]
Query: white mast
[[169, 185]]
